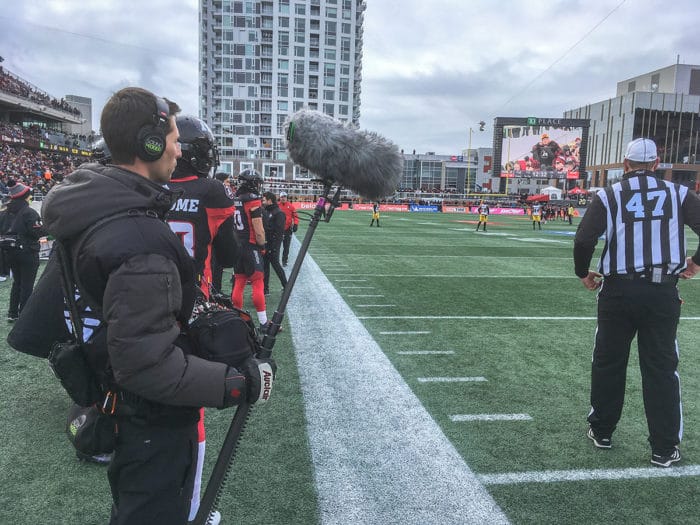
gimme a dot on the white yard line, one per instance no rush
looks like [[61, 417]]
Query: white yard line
[[411, 256], [375, 305], [551, 476], [426, 352], [379, 457], [476, 379], [415, 332], [491, 317], [485, 317], [458, 276], [457, 418]]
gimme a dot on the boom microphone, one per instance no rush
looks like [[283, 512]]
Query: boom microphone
[[363, 161]]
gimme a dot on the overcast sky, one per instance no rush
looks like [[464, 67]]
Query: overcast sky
[[431, 69]]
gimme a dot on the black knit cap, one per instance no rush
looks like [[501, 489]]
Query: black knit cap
[[17, 190]]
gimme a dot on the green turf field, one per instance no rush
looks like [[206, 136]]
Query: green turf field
[[443, 302]]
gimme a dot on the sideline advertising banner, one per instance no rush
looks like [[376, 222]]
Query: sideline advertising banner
[[423, 208], [475, 210]]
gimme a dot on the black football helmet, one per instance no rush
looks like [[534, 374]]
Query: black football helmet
[[100, 152], [250, 180], [199, 153]]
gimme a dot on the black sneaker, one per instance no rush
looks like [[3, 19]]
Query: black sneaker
[[665, 460], [598, 441]]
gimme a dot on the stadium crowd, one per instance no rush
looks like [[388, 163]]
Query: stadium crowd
[[9, 83], [37, 169]]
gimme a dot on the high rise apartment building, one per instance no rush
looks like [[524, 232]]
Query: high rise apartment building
[[260, 61]]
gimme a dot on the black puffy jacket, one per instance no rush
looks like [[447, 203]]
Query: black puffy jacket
[[22, 220], [141, 280]]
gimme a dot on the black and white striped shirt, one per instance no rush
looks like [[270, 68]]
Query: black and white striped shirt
[[643, 220]]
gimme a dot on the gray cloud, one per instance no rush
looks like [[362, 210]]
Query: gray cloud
[[431, 69]]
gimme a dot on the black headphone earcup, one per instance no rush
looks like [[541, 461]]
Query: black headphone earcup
[[151, 143]]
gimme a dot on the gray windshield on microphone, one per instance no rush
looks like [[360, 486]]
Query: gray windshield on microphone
[[362, 161]]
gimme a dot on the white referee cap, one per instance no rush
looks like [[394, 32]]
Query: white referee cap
[[641, 150]]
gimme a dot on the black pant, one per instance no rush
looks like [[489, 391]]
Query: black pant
[[650, 311], [24, 265], [152, 473], [272, 257], [217, 273], [4, 268], [286, 242]]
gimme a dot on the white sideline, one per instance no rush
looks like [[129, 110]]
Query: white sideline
[[378, 455]]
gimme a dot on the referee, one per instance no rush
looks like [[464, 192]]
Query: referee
[[643, 220]]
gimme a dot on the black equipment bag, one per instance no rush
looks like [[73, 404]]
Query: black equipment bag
[[8, 240], [91, 431], [70, 366], [67, 359], [223, 335]]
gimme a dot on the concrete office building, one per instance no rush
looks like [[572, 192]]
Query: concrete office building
[[663, 105], [260, 61], [457, 174], [84, 105]]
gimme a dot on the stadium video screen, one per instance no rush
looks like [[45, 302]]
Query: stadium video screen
[[540, 148]]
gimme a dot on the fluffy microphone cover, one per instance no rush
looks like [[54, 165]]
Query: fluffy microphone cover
[[362, 161]]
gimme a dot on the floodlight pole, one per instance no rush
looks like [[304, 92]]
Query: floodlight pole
[[469, 147], [654, 89], [508, 157]]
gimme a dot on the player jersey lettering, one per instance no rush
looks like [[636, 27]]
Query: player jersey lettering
[[186, 205]]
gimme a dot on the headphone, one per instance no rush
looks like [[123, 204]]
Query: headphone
[[150, 139]]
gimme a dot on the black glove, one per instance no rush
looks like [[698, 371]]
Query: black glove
[[295, 227], [234, 387], [252, 382]]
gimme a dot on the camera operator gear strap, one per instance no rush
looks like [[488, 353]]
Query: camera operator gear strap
[[68, 285]]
